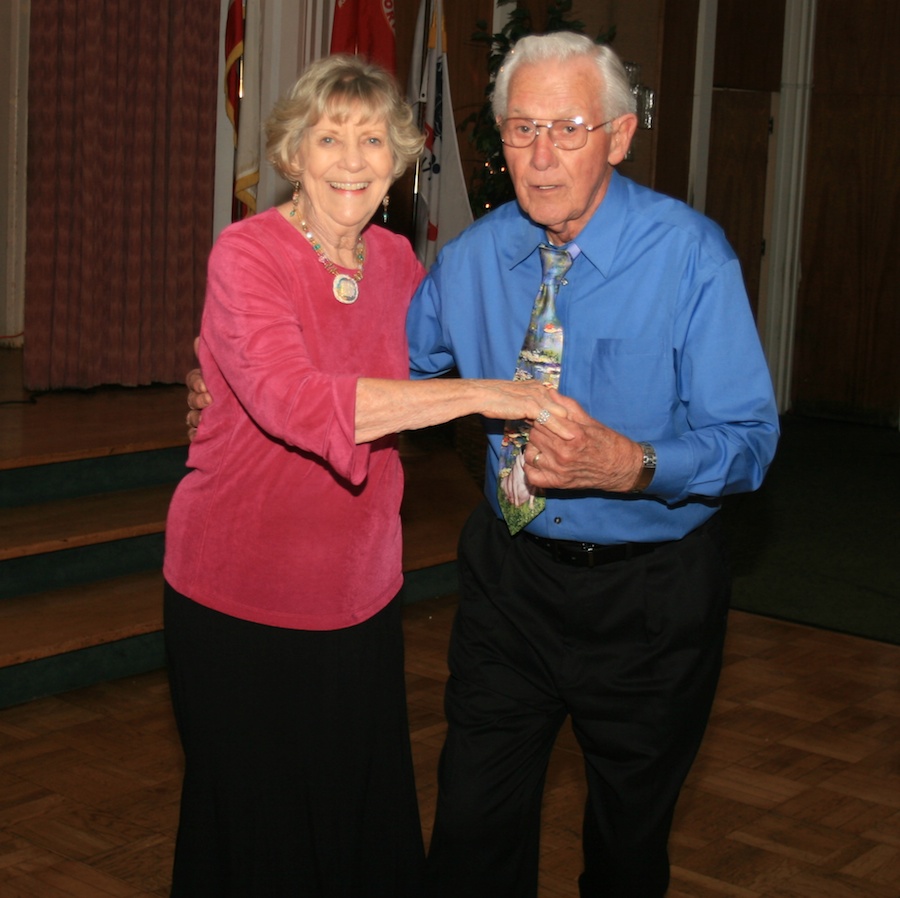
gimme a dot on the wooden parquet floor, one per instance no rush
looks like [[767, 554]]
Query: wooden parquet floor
[[796, 791]]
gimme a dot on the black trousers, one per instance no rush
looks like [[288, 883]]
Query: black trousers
[[631, 650], [298, 771]]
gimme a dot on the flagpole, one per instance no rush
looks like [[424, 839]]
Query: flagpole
[[423, 61], [420, 118]]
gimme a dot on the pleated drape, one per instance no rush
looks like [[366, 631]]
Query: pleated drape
[[121, 157]]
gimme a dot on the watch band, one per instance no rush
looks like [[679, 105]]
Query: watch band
[[648, 468]]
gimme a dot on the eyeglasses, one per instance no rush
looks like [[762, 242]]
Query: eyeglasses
[[566, 134]]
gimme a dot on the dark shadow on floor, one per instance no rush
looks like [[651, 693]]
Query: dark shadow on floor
[[819, 543]]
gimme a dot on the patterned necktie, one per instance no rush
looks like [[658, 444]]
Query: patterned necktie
[[539, 359]]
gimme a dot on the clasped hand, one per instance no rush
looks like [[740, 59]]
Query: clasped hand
[[589, 455], [572, 449]]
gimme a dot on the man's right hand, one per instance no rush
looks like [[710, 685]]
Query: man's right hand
[[198, 397]]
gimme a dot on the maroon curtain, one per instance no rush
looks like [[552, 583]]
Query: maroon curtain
[[121, 156]]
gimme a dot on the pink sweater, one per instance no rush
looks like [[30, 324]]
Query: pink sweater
[[283, 519]]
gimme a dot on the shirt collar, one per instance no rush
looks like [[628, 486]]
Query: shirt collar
[[598, 239]]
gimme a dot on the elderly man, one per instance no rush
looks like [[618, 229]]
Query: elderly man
[[610, 604]]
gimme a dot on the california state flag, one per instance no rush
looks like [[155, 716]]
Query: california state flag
[[442, 204], [365, 27]]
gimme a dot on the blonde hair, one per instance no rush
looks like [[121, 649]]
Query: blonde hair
[[339, 86]]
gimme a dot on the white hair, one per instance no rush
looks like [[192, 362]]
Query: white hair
[[617, 98]]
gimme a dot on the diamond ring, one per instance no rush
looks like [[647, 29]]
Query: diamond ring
[[543, 417]]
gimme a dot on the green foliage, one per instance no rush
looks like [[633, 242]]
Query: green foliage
[[491, 185]]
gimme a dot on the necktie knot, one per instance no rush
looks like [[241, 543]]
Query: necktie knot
[[554, 263]]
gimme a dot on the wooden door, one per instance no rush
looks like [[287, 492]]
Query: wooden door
[[747, 73], [676, 99]]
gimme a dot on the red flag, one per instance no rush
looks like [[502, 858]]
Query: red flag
[[247, 149], [365, 27], [242, 32]]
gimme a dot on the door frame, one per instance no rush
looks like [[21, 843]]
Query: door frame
[[781, 273]]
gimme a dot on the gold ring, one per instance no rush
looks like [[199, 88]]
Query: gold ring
[[534, 461]]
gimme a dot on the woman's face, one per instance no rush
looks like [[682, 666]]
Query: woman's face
[[347, 170]]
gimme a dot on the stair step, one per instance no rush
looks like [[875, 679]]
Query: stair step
[[34, 574], [86, 476], [71, 523], [75, 424], [78, 617], [82, 539]]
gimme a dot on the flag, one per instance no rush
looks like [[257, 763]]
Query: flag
[[365, 27], [234, 51], [242, 100], [249, 136], [442, 204]]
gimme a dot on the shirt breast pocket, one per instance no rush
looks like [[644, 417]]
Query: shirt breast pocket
[[633, 386]]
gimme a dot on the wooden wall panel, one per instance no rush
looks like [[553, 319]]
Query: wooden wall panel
[[736, 184], [848, 305], [638, 39], [856, 46], [675, 99], [749, 38]]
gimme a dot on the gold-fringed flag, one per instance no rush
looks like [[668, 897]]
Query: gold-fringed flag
[[366, 28], [442, 204], [242, 99], [234, 52]]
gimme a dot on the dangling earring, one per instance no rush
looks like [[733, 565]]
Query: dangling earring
[[295, 199], [384, 208]]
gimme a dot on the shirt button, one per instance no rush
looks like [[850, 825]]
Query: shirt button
[[557, 520]]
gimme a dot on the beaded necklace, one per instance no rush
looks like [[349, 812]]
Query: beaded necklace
[[344, 287]]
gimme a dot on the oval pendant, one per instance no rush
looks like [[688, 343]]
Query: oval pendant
[[345, 289]]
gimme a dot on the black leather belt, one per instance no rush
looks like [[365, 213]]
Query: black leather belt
[[589, 554]]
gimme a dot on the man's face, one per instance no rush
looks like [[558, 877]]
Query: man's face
[[561, 189]]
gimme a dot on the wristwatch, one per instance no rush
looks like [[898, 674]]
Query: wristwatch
[[648, 468]]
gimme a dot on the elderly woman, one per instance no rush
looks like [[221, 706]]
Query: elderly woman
[[283, 555]]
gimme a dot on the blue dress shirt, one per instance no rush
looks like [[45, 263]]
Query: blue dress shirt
[[660, 345]]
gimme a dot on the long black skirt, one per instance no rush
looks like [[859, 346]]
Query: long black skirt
[[298, 773]]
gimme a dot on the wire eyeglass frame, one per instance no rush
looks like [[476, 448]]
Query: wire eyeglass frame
[[580, 130]]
